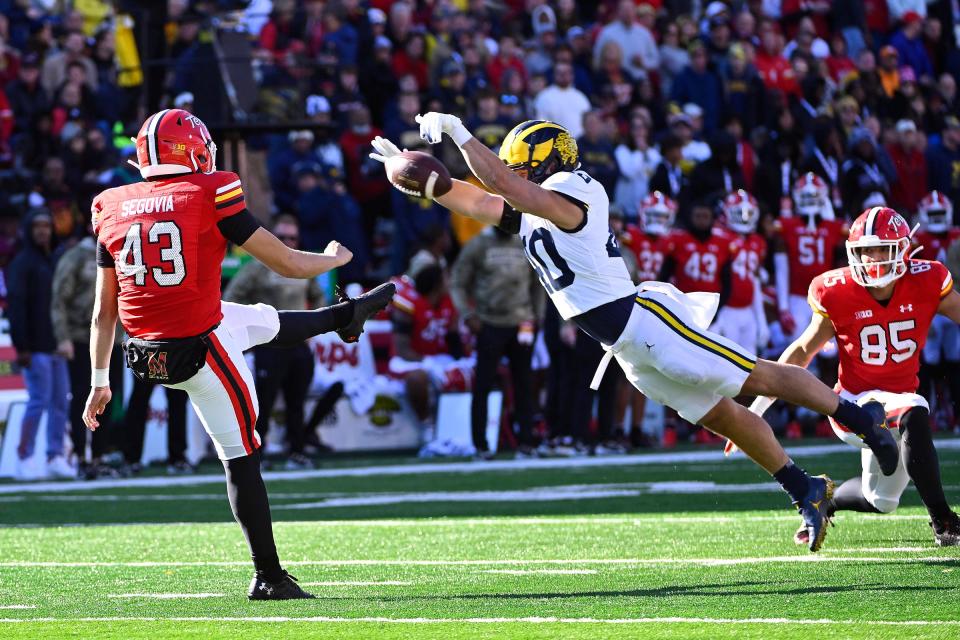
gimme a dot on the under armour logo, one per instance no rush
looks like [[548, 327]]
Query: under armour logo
[[157, 365], [905, 308], [269, 590]]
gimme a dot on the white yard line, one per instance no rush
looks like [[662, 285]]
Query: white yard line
[[358, 583], [717, 562], [685, 457], [525, 620], [540, 572], [18, 606], [166, 596]]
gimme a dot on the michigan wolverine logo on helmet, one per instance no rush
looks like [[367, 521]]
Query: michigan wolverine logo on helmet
[[540, 148]]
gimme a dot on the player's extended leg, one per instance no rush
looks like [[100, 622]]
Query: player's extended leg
[[923, 467], [755, 438], [798, 386]]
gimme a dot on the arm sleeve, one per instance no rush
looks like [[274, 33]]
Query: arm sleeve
[[815, 297], [509, 220], [104, 259], [238, 227]]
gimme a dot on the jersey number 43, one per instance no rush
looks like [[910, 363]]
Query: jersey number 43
[[167, 235]]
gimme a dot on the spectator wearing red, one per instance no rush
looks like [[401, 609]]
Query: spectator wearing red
[[911, 166], [412, 59], [507, 59], [838, 62], [282, 34], [774, 69], [9, 63], [365, 178]]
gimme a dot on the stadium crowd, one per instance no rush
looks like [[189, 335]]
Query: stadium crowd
[[677, 106]]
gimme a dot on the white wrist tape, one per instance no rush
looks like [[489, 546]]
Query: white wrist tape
[[100, 378], [460, 134]]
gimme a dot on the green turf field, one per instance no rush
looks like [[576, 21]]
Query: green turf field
[[645, 547]]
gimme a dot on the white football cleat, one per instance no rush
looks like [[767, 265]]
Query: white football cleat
[[30, 469], [58, 467]]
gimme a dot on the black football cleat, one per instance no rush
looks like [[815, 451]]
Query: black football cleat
[[814, 509], [880, 440], [946, 532], [364, 306], [286, 589]]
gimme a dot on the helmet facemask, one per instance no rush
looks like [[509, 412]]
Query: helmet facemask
[[743, 218], [935, 220], [657, 221], [875, 262]]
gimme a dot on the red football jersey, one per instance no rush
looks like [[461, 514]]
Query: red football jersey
[[810, 252], [648, 250], [749, 253], [167, 250], [935, 245], [431, 324], [698, 264], [880, 344]]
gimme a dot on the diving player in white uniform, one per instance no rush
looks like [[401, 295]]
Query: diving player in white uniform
[[657, 334]]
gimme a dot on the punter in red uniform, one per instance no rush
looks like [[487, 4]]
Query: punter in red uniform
[[425, 338], [808, 244], [697, 260], [742, 318], [880, 309], [646, 240], [941, 354], [160, 246]]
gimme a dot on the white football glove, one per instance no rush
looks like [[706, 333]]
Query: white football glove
[[384, 149], [433, 125]]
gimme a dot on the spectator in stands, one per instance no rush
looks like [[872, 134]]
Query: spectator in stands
[[699, 84], [636, 162], [943, 158], [289, 369], [339, 36], [743, 88], [563, 103], [774, 69], [539, 60], [906, 152], [365, 178], [28, 99], [347, 98], [909, 44], [640, 53], [506, 59], [326, 148], [499, 299], [451, 93], [487, 125], [668, 178], [74, 283], [597, 153], [281, 167], [778, 171], [412, 59], [55, 66], [29, 283], [861, 173], [674, 58], [720, 173], [377, 81]]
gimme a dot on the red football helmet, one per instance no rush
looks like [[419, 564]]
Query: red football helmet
[[935, 213], [657, 213], [878, 247], [812, 198], [741, 211], [173, 142]]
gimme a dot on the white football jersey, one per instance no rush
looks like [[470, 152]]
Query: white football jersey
[[581, 269]]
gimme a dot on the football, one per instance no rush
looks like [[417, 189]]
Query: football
[[418, 174]]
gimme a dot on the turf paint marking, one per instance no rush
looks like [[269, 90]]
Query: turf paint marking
[[358, 583], [166, 596], [680, 457], [708, 562], [549, 572], [526, 620], [18, 606]]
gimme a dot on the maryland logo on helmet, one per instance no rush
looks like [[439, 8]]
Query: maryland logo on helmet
[[541, 147]]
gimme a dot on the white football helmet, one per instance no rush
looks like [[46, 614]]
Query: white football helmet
[[741, 211], [811, 197], [657, 213], [935, 213]]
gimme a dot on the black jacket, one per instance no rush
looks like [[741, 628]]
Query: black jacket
[[30, 285]]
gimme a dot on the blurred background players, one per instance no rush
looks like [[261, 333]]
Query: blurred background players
[[287, 370], [499, 300]]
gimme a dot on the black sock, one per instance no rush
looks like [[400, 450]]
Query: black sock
[[297, 326], [923, 465], [853, 417], [849, 497], [794, 481], [248, 500]]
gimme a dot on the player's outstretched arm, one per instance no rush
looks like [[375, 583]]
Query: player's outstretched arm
[[463, 197], [291, 263], [103, 328], [522, 194]]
